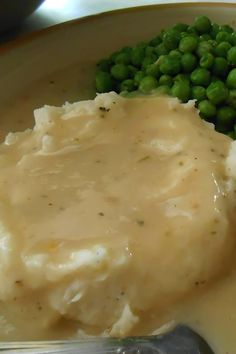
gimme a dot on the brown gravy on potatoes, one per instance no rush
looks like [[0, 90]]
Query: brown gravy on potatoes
[[116, 217]]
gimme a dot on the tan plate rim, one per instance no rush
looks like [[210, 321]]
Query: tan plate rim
[[27, 38]]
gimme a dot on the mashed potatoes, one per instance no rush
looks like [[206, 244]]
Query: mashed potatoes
[[111, 209]]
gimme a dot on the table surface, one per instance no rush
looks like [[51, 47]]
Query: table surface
[[52, 12]]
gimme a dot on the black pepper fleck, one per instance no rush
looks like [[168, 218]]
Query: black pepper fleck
[[144, 158], [200, 282], [140, 222], [101, 214], [104, 109], [19, 282]]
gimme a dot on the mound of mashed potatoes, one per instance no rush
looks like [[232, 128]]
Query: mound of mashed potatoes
[[109, 210]]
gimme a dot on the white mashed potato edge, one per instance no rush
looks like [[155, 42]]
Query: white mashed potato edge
[[47, 115]]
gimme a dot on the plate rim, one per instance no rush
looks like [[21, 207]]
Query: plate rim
[[16, 43]]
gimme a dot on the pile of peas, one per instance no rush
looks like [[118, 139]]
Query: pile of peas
[[186, 61]]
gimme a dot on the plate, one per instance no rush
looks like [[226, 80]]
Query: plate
[[57, 64]]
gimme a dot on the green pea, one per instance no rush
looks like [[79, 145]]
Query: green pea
[[132, 70], [120, 72], [181, 90], [175, 53], [181, 27], [137, 55], [165, 80], [162, 90], [207, 110], [127, 85], [184, 34], [142, 45], [122, 58], [155, 41], [104, 82], [170, 65], [206, 61], [223, 37], [104, 65], [217, 92], [226, 118], [127, 50], [198, 93], [192, 30], [231, 79], [232, 135], [182, 77], [153, 70], [149, 50], [220, 67], [200, 77], [231, 56], [160, 49], [233, 38], [160, 59], [202, 24], [162, 34], [203, 48], [148, 60], [213, 43], [147, 84], [226, 28], [113, 56], [128, 94], [188, 62], [215, 29], [138, 77], [222, 49], [232, 98], [171, 39], [188, 44]]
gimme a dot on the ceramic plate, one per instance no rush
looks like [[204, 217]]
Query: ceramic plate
[[56, 65]]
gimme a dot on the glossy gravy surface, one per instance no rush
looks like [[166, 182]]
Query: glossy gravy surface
[[114, 213]]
